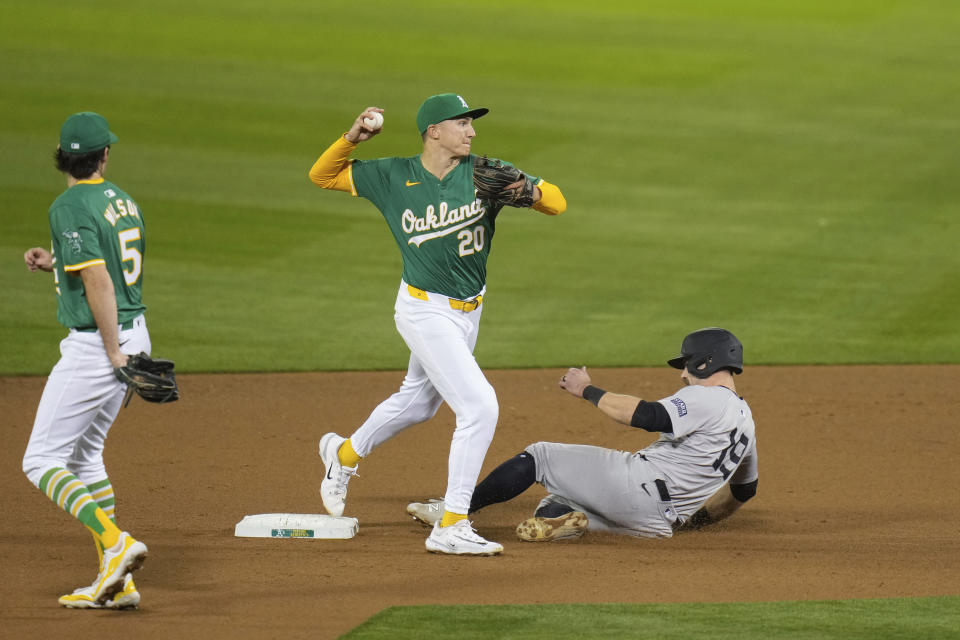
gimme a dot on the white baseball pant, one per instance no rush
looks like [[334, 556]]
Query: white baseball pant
[[442, 368], [80, 401]]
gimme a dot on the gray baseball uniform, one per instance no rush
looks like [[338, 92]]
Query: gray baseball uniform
[[650, 492]]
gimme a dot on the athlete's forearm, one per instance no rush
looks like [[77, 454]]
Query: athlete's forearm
[[332, 168], [618, 406], [102, 299], [551, 200]]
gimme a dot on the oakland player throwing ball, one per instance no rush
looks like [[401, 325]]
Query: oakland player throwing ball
[[97, 263], [444, 230], [707, 441]]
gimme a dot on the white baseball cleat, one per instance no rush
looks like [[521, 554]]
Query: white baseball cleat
[[427, 513], [333, 487], [125, 556], [127, 598], [460, 539], [566, 527]]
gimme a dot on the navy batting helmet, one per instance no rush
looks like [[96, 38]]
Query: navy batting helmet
[[706, 351]]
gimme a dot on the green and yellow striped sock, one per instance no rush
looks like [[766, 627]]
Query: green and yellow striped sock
[[71, 495], [102, 492]]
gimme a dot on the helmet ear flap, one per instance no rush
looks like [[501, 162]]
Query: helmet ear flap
[[699, 365]]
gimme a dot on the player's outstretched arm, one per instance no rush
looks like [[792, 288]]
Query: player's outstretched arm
[[618, 406], [332, 168]]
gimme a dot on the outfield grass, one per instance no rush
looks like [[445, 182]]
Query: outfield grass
[[928, 618], [787, 170]]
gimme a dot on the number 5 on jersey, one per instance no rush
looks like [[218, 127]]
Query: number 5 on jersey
[[130, 254]]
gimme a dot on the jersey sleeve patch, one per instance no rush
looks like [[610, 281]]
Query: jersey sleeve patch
[[75, 237], [686, 408], [72, 240], [680, 405]]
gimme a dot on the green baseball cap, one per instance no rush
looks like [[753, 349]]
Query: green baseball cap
[[445, 106], [85, 132]]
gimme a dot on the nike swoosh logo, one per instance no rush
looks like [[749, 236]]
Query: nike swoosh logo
[[643, 485], [329, 477], [412, 184]]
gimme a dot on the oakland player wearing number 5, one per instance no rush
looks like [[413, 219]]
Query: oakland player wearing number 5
[[97, 262], [707, 441], [444, 232]]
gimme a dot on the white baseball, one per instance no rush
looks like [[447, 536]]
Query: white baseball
[[374, 120]]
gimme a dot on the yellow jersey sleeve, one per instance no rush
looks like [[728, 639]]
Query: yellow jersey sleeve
[[332, 170]]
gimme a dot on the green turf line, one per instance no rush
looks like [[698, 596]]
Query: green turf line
[[929, 618]]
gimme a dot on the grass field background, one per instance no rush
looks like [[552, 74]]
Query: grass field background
[[787, 170], [929, 618]]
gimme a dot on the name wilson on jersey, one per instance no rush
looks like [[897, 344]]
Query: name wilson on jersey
[[446, 222], [122, 210]]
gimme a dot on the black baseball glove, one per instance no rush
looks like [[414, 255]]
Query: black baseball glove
[[502, 183], [151, 378]]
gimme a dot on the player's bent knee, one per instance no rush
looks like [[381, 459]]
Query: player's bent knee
[[743, 492], [491, 413], [486, 411], [537, 448]]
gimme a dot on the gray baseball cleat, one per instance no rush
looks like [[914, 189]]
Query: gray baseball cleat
[[566, 527], [427, 513]]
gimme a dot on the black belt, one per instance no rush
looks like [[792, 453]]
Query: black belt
[[662, 488]]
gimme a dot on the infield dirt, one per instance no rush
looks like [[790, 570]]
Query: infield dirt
[[857, 499]]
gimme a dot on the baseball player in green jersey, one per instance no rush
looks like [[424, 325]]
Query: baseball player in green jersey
[[444, 232], [707, 440], [97, 253]]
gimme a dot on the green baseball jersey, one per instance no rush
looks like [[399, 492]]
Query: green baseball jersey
[[95, 222], [443, 229]]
